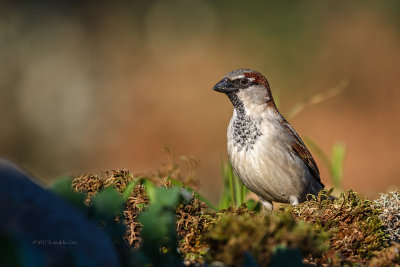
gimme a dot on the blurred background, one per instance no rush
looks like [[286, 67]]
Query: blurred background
[[87, 86]]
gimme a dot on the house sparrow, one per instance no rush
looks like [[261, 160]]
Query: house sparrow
[[265, 151]]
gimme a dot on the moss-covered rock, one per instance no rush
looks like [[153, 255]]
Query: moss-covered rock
[[353, 223], [194, 219], [260, 236]]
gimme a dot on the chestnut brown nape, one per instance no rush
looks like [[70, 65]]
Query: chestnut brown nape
[[259, 79]]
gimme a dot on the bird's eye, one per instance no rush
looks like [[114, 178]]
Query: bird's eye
[[244, 82]]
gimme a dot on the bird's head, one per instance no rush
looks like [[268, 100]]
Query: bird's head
[[246, 87]]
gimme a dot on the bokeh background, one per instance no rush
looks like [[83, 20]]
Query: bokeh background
[[87, 86]]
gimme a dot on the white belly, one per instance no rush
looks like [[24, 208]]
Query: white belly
[[269, 169]]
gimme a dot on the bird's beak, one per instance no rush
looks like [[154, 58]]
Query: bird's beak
[[224, 87]]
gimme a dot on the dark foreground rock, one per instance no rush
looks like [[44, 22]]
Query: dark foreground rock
[[38, 228]]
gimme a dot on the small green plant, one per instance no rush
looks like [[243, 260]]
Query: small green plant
[[159, 247], [234, 192], [62, 187]]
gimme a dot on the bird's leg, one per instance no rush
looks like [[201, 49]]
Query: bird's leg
[[294, 200], [267, 206]]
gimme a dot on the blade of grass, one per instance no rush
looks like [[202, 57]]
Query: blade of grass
[[244, 192], [231, 181], [225, 198], [338, 154], [317, 98], [238, 190], [129, 189]]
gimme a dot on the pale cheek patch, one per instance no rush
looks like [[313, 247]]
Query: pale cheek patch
[[254, 100]]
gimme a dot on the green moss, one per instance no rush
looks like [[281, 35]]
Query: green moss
[[323, 230], [353, 223], [194, 219], [233, 236]]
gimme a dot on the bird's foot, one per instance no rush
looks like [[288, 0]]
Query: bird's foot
[[267, 206]]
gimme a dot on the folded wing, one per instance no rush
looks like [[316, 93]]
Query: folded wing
[[300, 150]]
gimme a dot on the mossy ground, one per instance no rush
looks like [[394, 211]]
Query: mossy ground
[[356, 232], [325, 231]]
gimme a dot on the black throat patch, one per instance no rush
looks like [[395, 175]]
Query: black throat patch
[[244, 130]]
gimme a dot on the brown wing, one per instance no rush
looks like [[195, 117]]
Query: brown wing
[[300, 150]]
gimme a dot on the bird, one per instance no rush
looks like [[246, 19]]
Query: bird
[[264, 150]]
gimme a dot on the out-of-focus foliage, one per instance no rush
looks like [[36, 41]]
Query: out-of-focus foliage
[[105, 208], [159, 236], [62, 187]]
